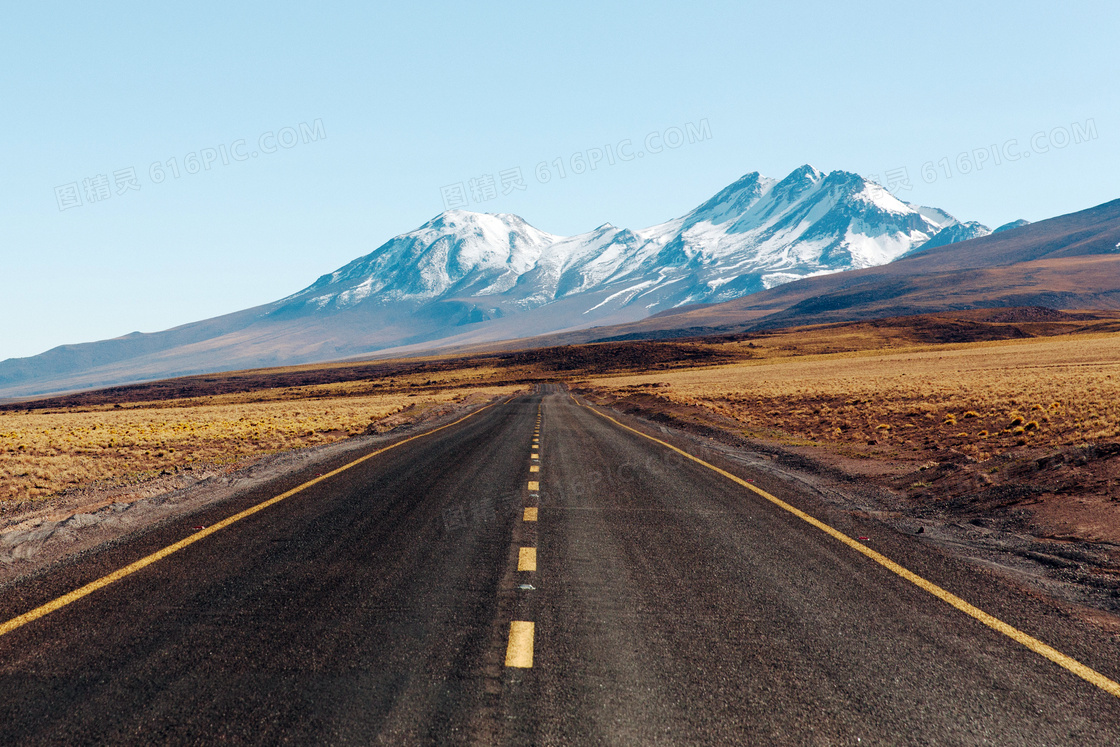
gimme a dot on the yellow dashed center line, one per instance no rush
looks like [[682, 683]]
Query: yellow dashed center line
[[1040, 648], [519, 652]]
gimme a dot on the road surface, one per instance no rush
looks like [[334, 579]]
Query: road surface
[[539, 574]]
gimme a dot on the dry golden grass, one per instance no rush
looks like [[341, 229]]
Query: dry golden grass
[[403, 385], [851, 384], [980, 398], [43, 453]]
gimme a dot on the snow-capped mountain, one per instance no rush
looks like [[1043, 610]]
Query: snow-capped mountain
[[457, 253], [465, 278], [952, 234], [755, 234], [1013, 224]]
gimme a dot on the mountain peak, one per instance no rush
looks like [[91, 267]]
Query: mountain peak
[[796, 183], [461, 218], [1013, 224], [845, 177], [731, 201]]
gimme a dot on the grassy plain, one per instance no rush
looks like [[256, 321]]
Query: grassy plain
[[977, 383], [128, 434], [46, 451], [980, 398]]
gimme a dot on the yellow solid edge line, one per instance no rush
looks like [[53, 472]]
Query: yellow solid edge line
[[519, 652], [535, 468], [534, 485], [527, 559], [1086, 673], [117, 575], [530, 514]]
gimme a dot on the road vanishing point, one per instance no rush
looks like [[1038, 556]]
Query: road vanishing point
[[541, 571]]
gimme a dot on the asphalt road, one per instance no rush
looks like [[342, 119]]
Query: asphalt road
[[412, 599]]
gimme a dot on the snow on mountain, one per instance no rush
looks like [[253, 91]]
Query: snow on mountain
[[466, 278], [951, 235], [936, 216], [1013, 224], [456, 253], [754, 234]]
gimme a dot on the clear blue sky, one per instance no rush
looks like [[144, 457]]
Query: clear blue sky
[[415, 99]]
